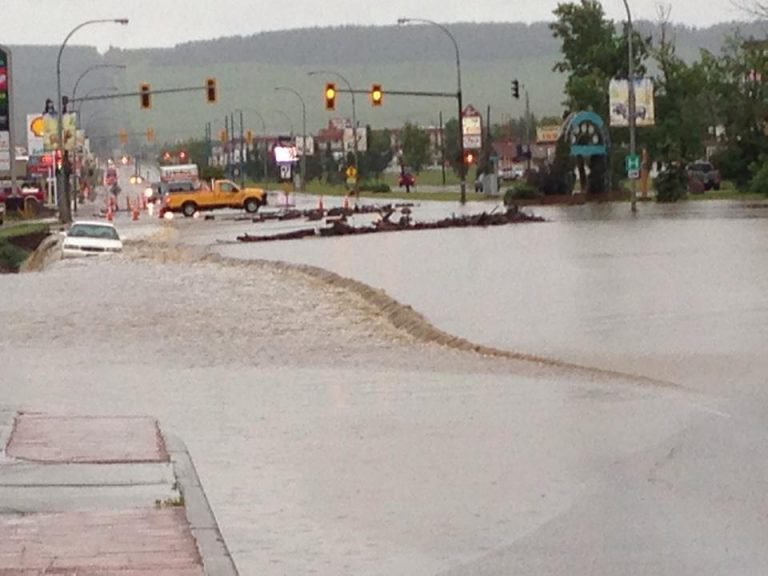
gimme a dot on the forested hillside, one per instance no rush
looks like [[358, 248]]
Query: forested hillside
[[249, 68]]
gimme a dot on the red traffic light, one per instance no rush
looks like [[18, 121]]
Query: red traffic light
[[469, 157], [182, 155], [210, 90], [330, 96], [145, 97]]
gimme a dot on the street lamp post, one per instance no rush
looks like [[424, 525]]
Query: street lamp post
[[355, 147], [632, 104], [462, 167], [263, 132], [303, 134], [65, 213], [75, 175], [287, 119], [88, 70]]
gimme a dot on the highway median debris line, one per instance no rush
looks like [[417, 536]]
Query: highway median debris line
[[339, 226]]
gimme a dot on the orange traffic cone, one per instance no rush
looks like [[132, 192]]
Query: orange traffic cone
[[136, 210]]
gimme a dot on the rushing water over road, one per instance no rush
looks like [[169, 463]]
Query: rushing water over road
[[591, 285]]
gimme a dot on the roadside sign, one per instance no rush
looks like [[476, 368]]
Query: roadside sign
[[351, 172], [632, 162], [6, 111], [471, 128], [633, 174]]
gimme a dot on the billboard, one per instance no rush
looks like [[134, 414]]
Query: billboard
[[50, 131], [618, 90], [547, 134]]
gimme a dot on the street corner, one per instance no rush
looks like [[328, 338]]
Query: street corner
[[95, 495], [86, 439]]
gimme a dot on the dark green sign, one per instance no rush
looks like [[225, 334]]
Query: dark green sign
[[5, 124]]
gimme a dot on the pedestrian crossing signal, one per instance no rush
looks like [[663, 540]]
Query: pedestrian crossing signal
[[330, 96]]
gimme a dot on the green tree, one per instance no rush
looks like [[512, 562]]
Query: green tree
[[593, 53], [415, 144], [737, 78], [378, 155], [451, 133]]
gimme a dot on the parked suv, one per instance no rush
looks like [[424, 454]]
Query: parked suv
[[705, 173]]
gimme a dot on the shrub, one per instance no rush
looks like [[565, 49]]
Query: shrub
[[759, 182], [671, 184], [520, 191], [375, 187], [11, 256]]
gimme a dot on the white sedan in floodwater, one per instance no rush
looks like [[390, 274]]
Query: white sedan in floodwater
[[91, 239]]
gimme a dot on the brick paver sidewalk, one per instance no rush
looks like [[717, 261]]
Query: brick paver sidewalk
[[150, 537]]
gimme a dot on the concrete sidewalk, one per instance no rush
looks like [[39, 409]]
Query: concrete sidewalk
[[102, 496]]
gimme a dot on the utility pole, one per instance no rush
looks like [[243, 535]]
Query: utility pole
[[442, 147], [631, 94], [527, 131], [242, 152], [226, 144]]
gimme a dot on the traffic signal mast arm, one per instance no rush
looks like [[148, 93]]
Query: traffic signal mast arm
[[386, 92], [138, 93]]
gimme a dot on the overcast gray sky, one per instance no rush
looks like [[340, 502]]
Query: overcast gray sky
[[168, 22]]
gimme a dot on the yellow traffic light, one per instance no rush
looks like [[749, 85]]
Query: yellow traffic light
[[376, 95], [222, 135], [210, 90], [145, 97], [249, 136], [330, 96], [469, 157], [150, 134]]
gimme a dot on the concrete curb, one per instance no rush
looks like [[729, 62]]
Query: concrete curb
[[217, 561]]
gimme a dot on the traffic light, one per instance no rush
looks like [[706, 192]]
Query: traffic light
[[182, 156], [123, 136], [210, 90], [376, 95], [222, 135], [469, 157], [515, 89], [145, 97], [150, 134], [249, 136], [330, 96]]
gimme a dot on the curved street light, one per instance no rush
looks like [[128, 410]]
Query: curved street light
[[75, 175], [287, 118], [88, 70], [632, 105], [65, 214], [263, 133], [462, 168], [354, 112], [303, 132]]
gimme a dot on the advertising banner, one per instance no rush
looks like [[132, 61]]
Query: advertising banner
[[619, 102]]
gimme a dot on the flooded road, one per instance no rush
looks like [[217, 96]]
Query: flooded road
[[331, 443], [676, 284]]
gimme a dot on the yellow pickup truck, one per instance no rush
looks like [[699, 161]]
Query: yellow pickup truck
[[220, 194]]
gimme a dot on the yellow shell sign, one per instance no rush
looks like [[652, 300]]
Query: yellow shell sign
[[36, 126]]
